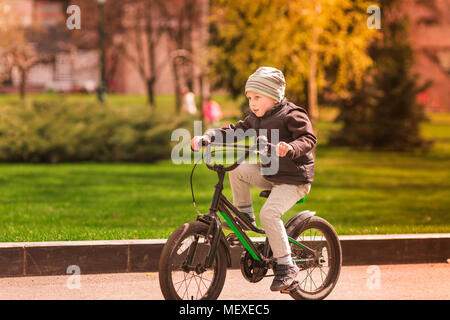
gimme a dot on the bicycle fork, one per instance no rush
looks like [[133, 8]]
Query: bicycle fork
[[213, 237]]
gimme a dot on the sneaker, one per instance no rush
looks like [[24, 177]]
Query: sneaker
[[249, 218], [284, 276]]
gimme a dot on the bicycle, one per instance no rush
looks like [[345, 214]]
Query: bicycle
[[195, 258]]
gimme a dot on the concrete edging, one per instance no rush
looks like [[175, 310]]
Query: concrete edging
[[117, 256]]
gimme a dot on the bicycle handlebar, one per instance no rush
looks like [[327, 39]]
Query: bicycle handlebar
[[248, 149]]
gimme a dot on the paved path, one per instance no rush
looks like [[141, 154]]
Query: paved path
[[398, 282]]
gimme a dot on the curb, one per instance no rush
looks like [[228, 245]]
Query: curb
[[119, 256]]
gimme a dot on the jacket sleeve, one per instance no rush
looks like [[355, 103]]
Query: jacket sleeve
[[298, 123], [222, 133]]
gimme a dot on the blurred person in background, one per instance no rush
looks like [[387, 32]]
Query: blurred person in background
[[212, 112], [188, 102]]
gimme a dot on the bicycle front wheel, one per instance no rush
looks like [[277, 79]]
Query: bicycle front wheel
[[181, 274], [319, 271]]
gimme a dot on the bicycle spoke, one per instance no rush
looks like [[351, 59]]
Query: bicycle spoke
[[198, 286], [201, 279], [312, 281], [185, 286], [300, 284], [185, 283], [204, 279], [321, 272], [182, 273], [182, 281], [315, 275]]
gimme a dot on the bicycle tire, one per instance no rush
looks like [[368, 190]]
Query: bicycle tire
[[333, 255], [172, 256]]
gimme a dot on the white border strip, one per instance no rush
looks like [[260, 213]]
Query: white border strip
[[256, 239]]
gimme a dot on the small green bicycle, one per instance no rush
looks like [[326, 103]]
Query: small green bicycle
[[195, 258]]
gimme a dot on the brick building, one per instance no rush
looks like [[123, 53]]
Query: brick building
[[430, 39], [76, 53], [69, 68]]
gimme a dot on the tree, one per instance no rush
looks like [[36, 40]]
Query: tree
[[384, 113], [320, 45], [131, 32], [92, 36], [24, 56], [181, 18], [17, 48], [141, 32]]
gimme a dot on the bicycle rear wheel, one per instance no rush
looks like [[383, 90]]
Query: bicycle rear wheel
[[181, 279], [319, 272]]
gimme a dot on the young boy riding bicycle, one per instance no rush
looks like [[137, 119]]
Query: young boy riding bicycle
[[269, 110]]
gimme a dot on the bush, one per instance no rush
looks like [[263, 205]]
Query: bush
[[57, 131]]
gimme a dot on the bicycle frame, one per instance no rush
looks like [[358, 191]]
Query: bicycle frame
[[221, 204]]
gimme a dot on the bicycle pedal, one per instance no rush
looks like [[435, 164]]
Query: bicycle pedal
[[289, 289]]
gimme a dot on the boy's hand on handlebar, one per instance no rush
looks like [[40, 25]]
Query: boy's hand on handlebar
[[283, 148], [195, 143], [198, 141]]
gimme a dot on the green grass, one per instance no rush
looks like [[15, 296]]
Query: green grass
[[359, 192]]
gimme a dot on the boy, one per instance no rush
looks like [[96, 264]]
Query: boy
[[270, 110]]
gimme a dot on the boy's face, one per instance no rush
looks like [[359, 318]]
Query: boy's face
[[259, 103]]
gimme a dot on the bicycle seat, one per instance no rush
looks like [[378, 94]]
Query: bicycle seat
[[266, 194]]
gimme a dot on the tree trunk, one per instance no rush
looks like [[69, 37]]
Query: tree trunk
[[23, 83], [188, 40], [203, 81], [177, 86], [151, 93], [202, 99], [312, 80], [151, 56]]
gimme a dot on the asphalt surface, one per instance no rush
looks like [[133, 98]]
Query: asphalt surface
[[386, 282]]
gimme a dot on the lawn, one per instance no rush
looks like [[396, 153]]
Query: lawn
[[359, 192]]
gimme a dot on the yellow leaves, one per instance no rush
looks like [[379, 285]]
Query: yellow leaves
[[280, 33]]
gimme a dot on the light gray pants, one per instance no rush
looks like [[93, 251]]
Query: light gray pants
[[281, 199]]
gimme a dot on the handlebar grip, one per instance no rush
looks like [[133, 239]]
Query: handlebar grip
[[203, 142]]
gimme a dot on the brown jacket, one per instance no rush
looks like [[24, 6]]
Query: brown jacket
[[294, 128]]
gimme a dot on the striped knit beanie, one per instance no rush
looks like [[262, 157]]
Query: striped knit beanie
[[267, 81]]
